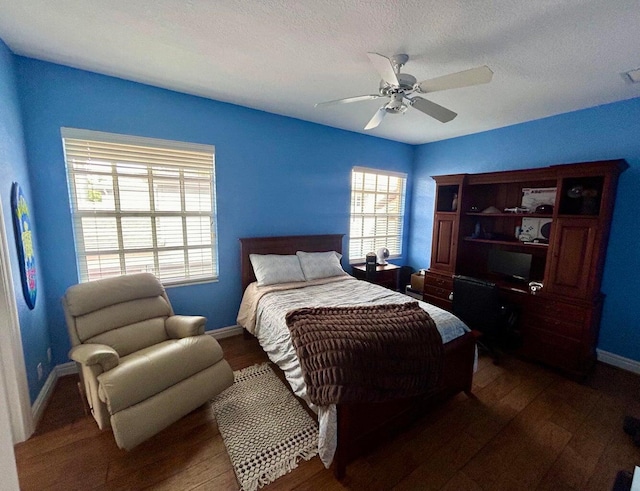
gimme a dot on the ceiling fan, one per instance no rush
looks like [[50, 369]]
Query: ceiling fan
[[402, 89]]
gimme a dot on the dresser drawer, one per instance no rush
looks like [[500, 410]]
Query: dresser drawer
[[564, 311], [438, 281], [551, 348], [554, 325], [434, 291]]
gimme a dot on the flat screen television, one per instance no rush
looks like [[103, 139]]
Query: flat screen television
[[512, 265]]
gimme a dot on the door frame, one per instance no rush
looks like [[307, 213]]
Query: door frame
[[12, 365]]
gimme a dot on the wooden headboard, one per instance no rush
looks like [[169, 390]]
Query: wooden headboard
[[283, 245]]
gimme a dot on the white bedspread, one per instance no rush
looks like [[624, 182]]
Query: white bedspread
[[263, 312]]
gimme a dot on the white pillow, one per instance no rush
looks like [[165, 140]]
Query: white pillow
[[317, 265], [275, 268]]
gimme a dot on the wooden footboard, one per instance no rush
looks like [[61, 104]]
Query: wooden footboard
[[362, 426]]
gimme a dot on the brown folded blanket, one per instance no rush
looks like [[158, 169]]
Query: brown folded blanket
[[366, 353]]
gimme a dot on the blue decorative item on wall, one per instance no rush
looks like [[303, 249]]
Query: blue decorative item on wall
[[24, 242]]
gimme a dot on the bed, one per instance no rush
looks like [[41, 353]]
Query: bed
[[347, 431]]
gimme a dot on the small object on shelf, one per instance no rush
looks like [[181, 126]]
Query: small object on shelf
[[545, 230], [575, 191], [476, 231], [370, 264], [535, 228], [534, 197], [474, 209], [586, 200], [454, 202], [544, 209], [589, 202], [382, 254], [535, 287], [490, 210], [517, 209]]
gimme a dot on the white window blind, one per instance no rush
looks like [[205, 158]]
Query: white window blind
[[142, 205], [377, 212]]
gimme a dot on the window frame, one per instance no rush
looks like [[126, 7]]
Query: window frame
[[360, 193], [144, 159]]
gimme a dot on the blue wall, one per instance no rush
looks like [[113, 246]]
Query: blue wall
[[13, 167], [606, 132], [275, 175]]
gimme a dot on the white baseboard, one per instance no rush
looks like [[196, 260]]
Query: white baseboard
[[69, 368], [618, 361], [225, 332], [37, 408]]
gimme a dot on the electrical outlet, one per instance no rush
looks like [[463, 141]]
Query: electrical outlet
[[40, 373], [49, 354]]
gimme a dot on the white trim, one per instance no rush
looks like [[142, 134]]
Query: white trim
[[225, 332], [380, 172], [64, 369], [12, 363], [8, 469], [101, 164], [618, 361], [377, 227], [43, 397], [101, 136]]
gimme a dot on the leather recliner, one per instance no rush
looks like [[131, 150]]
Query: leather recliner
[[141, 366]]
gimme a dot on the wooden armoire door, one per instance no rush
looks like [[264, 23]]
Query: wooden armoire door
[[443, 252], [572, 254]]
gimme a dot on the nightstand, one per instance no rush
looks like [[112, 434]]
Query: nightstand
[[386, 275]]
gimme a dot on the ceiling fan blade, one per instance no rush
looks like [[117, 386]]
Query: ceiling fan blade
[[346, 100], [377, 118], [432, 109], [465, 78], [384, 67]]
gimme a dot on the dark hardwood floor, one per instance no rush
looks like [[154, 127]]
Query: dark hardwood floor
[[526, 428]]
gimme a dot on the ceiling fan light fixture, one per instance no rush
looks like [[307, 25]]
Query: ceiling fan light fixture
[[396, 105], [396, 110]]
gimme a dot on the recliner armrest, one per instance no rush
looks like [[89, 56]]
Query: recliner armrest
[[95, 354], [184, 326]]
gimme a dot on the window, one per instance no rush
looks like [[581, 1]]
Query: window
[[142, 205], [377, 212]]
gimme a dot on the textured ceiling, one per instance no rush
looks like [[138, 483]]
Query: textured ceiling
[[548, 56]]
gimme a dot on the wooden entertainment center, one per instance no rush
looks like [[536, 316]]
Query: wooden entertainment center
[[565, 242]]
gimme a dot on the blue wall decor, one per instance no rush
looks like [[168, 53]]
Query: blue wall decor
[[24, 243]]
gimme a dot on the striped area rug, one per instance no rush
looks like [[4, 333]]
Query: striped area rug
[[263, 426]]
